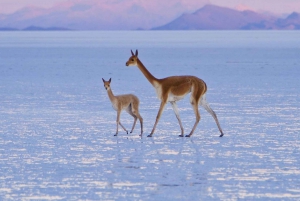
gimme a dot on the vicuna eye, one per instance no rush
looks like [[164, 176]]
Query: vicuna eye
[[132, 59]]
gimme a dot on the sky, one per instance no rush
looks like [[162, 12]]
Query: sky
[[272, 6]]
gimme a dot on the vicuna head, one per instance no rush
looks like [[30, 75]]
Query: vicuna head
[[107, 84], [132, 61]]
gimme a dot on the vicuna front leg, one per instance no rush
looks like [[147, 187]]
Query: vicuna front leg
[[118, 122], [161, 108]]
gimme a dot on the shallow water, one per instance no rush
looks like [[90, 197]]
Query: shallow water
[[57, 124]]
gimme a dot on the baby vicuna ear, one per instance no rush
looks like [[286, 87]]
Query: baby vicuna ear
[[103, 80], [109, 80], [136, 53]]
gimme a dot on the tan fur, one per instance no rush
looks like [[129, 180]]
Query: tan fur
[[174, 88], [128, 102]]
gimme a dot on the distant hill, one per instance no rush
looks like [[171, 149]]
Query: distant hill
[[212, 17], [34, 28], [8, 29], [291, 22]]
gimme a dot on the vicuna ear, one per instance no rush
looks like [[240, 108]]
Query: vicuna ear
[[136, 53], [109, 80], [132, 53], [103, 80]]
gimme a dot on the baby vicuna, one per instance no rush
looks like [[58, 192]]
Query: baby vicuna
[[128, 102]]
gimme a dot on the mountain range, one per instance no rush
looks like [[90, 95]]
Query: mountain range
[[212, 17], [101, 14], [128, 15]]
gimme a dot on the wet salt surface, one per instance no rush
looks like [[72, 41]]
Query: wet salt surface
[[57, 124]]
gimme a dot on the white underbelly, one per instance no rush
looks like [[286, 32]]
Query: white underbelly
[[172, 98], [114, 105], [158, 91]]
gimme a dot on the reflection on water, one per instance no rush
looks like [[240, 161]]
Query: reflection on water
[[245, 164]]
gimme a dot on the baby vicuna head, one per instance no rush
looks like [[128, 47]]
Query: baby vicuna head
[[107, 84]]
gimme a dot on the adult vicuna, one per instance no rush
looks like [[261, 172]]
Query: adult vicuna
[[174, 88], [128, 102]]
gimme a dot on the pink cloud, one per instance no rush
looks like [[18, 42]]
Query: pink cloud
[[242, 7]]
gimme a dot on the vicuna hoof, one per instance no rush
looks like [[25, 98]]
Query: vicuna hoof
[[149, 135], [115, 134], [221, 135], [181, 135], [188, 136]]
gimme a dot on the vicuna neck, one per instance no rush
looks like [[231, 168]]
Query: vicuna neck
[[110, 95], [146, 73]]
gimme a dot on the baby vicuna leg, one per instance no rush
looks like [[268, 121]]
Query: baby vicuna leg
[[134, 122], [119, 122], [133, 110]]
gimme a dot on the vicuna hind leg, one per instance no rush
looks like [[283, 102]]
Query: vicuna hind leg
[[136, 114], [206, 106], [134, 122], [129, 110], [197, 114], [175, 108]]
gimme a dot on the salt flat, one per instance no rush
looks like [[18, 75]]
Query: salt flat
[[57, 123]]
